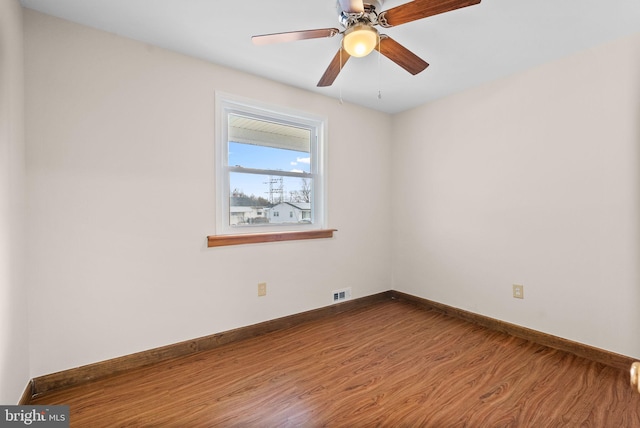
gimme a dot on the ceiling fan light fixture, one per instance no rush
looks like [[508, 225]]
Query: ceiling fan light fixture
[[360, 40]]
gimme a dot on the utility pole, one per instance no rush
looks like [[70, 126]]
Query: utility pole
[[276, 189]]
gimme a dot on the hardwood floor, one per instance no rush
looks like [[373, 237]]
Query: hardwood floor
[[391, 364]]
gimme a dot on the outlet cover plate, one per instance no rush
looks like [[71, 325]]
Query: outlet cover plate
[[518, 291], [262, 289]]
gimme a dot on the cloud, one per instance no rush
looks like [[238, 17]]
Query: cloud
[[294, 163], [304, 160]]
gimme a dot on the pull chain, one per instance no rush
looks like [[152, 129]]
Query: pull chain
[[340, 83], [379, 73]]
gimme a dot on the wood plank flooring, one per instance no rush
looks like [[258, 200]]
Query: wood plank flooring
[[388, 365]]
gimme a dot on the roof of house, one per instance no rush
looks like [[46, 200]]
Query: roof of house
[[236, 209], [304, 206]]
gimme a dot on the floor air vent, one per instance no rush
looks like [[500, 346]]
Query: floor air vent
[[341, 295]]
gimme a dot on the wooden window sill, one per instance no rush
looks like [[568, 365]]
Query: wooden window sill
[[255, 238]]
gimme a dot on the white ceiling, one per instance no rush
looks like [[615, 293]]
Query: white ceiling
[[464, 48]]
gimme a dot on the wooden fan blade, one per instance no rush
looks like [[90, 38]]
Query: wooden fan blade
[[419, 9], [292, 36], [352, 6], [338, 61], [401, 55]]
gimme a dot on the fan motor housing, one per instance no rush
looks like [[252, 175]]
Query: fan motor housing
[[369, 17]]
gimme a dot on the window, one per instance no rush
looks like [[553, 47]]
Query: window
[[269, 162]]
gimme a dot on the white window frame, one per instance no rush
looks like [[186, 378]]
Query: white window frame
[[227, 104]]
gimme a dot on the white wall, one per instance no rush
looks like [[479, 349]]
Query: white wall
[[530, 180], [121, 198], [14, 360]]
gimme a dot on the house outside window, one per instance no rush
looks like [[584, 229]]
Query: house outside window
[[269, 162]]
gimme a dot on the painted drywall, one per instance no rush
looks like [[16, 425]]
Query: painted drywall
[[14, 334], [530, 180], [120, 146]]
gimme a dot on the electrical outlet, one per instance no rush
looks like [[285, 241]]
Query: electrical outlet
[[518, 291], [262, 289]]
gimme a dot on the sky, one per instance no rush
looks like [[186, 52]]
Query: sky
[[252, 156]]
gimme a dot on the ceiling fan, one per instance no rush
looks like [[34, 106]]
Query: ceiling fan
[[360, 37]]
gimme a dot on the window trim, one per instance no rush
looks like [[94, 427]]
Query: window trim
[[226, 104]]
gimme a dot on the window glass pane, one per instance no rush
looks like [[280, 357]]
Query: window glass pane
[[257, 199], [263, 157]]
